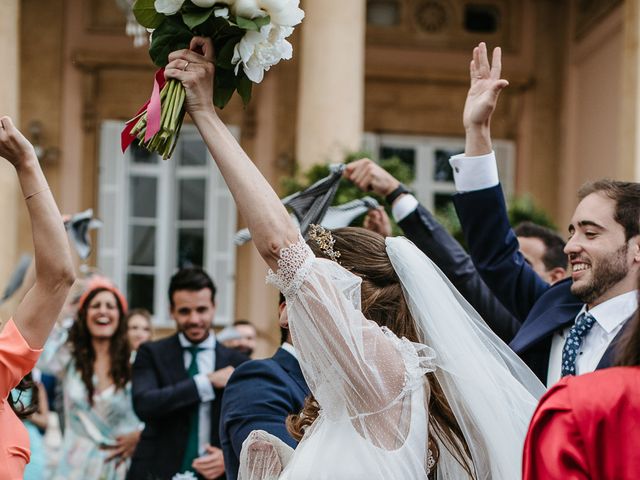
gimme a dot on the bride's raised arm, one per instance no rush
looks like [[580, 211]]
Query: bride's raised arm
[[349, 355], [267, 219]]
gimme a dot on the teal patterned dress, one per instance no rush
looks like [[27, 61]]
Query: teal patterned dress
[[88, 428]]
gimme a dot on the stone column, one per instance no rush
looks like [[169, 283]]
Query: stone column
[[9, 95], [331, 98]]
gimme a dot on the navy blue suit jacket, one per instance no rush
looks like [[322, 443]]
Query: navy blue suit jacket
[[436, 242], [164, 397], [543, 309], [259, 396]]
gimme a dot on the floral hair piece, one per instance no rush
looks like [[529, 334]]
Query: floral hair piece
[[325, 241]]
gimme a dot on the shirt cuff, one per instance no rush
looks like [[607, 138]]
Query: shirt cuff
[[205, 389], [474, 173], [403, 207]]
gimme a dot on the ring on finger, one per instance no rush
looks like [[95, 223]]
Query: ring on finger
[[185, 66]]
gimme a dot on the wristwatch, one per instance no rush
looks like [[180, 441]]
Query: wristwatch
[[399, 190]]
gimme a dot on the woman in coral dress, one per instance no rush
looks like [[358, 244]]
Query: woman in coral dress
[[23, 336]]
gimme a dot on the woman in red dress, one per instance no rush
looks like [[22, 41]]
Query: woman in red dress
[[22, 337], [588, 427]]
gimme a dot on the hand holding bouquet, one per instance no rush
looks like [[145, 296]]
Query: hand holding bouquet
[[248, 37]]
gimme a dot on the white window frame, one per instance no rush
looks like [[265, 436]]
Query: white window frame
[[424, 185], [219, 256]]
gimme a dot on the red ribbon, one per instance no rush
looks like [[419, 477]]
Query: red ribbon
[[153, 108]]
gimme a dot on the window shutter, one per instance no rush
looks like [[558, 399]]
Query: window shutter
[[111, 246]]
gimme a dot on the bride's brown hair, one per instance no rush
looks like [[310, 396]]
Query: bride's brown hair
[[363, 253]]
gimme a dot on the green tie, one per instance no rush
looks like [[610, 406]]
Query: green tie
[[191, 451]]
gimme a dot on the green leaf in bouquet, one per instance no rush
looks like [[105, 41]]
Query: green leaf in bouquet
[[212, 27], [262, 21], [247, 24], [225, 54], [171, 35], [196, 17], [244, 86], [146, 14], [222, 95], [224, 86]]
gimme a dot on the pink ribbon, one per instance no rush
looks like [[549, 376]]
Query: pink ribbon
[[153, 108]]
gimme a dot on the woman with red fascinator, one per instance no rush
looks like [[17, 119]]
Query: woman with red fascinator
[[101, 429]]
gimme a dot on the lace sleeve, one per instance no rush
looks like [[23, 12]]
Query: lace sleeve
[[293, 266], [263, 456], [351, 365]]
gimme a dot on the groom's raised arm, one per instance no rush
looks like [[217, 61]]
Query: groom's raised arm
[[480, 202]]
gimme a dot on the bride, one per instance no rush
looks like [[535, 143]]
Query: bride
[[407, 380]]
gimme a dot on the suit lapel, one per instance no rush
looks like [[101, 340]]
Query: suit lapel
[[222, 357], [174, 360], [536, 329], [608, 358], [289, 363]]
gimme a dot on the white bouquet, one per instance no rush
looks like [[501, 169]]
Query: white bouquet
[[249, 37]]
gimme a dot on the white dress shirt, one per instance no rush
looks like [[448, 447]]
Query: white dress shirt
[[206, 361], [290, 348], [403, 207], [610, 317], [478, 173]]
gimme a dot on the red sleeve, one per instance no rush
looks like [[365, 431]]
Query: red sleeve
[[554, 447], [17, 358]]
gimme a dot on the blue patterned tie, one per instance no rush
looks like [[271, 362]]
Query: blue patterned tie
[[574, 341]]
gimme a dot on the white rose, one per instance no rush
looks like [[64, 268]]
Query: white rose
[[284, 13], [210, 3], [168, 7], [259, 51], [247, 9], [221, 12]]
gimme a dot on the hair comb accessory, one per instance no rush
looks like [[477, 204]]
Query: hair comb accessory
[[325, 241]]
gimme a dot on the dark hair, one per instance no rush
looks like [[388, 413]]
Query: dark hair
[[554, 255], [18, 406], [284, 332], [627, 198], [382, 300], [84, 355], [629, 347], [192, 279]]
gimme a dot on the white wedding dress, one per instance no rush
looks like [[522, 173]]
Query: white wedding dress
[[370, 384]]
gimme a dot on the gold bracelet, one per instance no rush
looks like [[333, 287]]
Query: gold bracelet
[[36, 193]]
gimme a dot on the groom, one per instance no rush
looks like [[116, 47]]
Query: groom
[[570, 327], [277, 388]]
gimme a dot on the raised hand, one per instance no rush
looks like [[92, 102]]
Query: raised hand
[[13, 145], [368, 176], [195, 72], [485, 88]]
